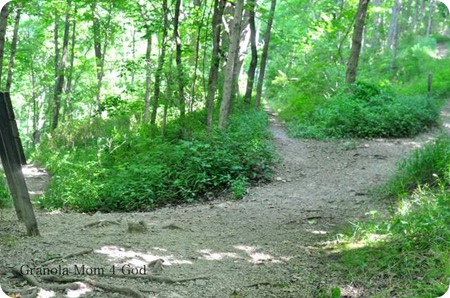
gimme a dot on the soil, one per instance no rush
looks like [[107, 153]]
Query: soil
[[269, 244]]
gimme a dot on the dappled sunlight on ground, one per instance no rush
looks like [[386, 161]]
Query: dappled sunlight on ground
[[121, 255], [257, 257], [83, 289], [217, 256]]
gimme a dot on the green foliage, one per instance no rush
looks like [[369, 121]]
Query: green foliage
[[408, 254], [428, 166], [123, 171], [367, 111], [5, 199]]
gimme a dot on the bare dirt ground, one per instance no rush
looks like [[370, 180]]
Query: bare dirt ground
[[270, 244]]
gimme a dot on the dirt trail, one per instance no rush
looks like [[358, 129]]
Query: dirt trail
[[266, 245]]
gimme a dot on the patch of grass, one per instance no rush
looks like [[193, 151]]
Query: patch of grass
[[408, 254], [122, 170], [428, 166]]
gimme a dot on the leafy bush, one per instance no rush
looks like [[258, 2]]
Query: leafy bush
[[125, 171], [368, 111]]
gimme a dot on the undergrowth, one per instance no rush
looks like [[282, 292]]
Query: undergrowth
[[408, 254], [367, 111], [118, 168]]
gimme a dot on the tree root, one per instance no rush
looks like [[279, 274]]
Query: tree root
[[83, 252]]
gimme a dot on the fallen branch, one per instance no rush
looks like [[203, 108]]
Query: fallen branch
[[155, 278], [101, 223], [31, 280], [117, 289], [83, 252]]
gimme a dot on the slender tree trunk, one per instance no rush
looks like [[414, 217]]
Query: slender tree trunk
[[430, 18], [56, 42], [148, 77], [68, 89], [3, 24], [12, 56], [180, 76], [159, 70], [231, 62], [393, 28], [99, 52], [254, 61], [148, 65], [197, 55], [264, 54], [358, 30], [219, 6], [62, 66]]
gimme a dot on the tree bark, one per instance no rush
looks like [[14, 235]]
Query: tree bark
[[430, 18], [358, 30], [393, 28], [215, 60], [254, 61], [180, 76], [12, 56], [265, 54], [68, 89], [148, 65], [159, 70], [3, 24], [231, 61], [62, 66]]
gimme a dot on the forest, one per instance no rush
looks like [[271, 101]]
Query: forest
[[290, 148]]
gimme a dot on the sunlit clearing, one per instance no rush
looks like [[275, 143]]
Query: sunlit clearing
[[217, 256], [45, 294], [121, 255], [83, 289], [257, 257]]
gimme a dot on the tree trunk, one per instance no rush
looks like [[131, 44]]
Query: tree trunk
[[68, 89], [254, 61], [180, 76], [62, 66], [264, 54], [231, 61], [430, 18], [393, 28], [358, 30], [159, 70], [3, 24], [219, 5], [12, 56], [148, 77]]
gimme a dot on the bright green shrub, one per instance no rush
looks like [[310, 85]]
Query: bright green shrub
[[125, 171], [368, 111], [5, 199]]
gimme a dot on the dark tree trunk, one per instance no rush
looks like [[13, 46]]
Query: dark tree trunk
[[358, 30], [254, 61], [3, 24], [62, 66], [219, 6], [264, 54], [180, 76], [12, 56], [159, 70]]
